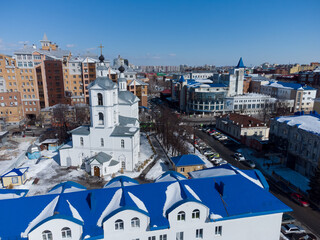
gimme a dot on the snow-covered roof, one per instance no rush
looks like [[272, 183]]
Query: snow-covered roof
[[12, 193], [233, 196], [102, 157], [121, 181], [15, 172], [308, 122], [126, 97], [50, 141], [2, 134], [170, 176], [287, 85], [82, 130], [103, 82], [66, 187], [187, 160]]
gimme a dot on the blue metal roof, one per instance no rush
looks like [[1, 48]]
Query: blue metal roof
[[240, 64], [236, 197], [12, 193], [121, 181], [67, 185], [294, 85], [187, 160], [182, 79], [170, 176]]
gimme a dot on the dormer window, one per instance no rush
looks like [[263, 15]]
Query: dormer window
[[100, 99], [66, 232], [135, 222], [118, 225], [196, 213], [47, 235], [181, 216]]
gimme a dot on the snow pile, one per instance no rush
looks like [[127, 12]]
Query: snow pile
[[190, 190], [173, 195]]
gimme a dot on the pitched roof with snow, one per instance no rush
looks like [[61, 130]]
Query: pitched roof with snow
[[226, 197], [12, 193], [126, 97], [121, 181], [308, 122], [187, 160], [15, 172], [66, 187], [170, 176], [288, 85], [103, 82]]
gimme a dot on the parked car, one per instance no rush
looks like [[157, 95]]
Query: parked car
[[222, 137], [303, 236], [249, 163], [291, 228], [287, 219], [222, 162], [239, 157], [299, 199]]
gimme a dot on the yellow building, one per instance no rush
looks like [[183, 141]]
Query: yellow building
[[186, 163], [14, 177]]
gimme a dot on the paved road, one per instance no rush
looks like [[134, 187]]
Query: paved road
[[309, 217]]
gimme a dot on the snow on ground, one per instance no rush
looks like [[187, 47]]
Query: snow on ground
[[12, 150], [49, 173], [158, 169]]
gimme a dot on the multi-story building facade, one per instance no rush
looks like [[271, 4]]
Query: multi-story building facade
[[178, 208], [298, 137], [11, 108], [140, 89], [88, 74], [246, 129], [302, 95]]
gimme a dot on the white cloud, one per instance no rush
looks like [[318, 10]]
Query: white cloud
[[70, 45], [172, 54]]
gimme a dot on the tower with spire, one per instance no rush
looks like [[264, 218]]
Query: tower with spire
[[47, 44]]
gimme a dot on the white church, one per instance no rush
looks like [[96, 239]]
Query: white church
[[112, 142]]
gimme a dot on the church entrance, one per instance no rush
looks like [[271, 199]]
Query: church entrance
[[96, 171]]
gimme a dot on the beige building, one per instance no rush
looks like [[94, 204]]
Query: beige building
[[186, 163], [15, 177], [240, 127]]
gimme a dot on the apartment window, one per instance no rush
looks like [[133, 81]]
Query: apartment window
[[196, 213], [218, 231], [163, 237], [46, 235], [135, 222], [199, 233], [118, 225], [182, 169], [181, 216], [122, 143], [66, 232], [179, 236]]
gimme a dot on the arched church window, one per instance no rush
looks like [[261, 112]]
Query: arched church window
[[101, 119], [100, 99], [47, 235], [81, 141]]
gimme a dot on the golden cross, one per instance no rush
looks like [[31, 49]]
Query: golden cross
[[101, 48]]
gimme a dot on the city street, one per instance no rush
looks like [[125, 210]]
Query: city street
[[306, 215]]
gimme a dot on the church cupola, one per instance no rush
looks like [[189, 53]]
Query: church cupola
[[122, 82]]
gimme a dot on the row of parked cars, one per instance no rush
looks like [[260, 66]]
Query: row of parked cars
[[207, 151], [292, 231]]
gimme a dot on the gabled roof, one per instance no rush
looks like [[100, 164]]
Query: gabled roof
[[187, 160], [127, 98], [15, 172], [226, 197], [288, 85], [101, 157], [66, 187], [181, 79], [170, 176], [121, 181], [240, 64]]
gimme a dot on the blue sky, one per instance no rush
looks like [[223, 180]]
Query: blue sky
[[170, 32]]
